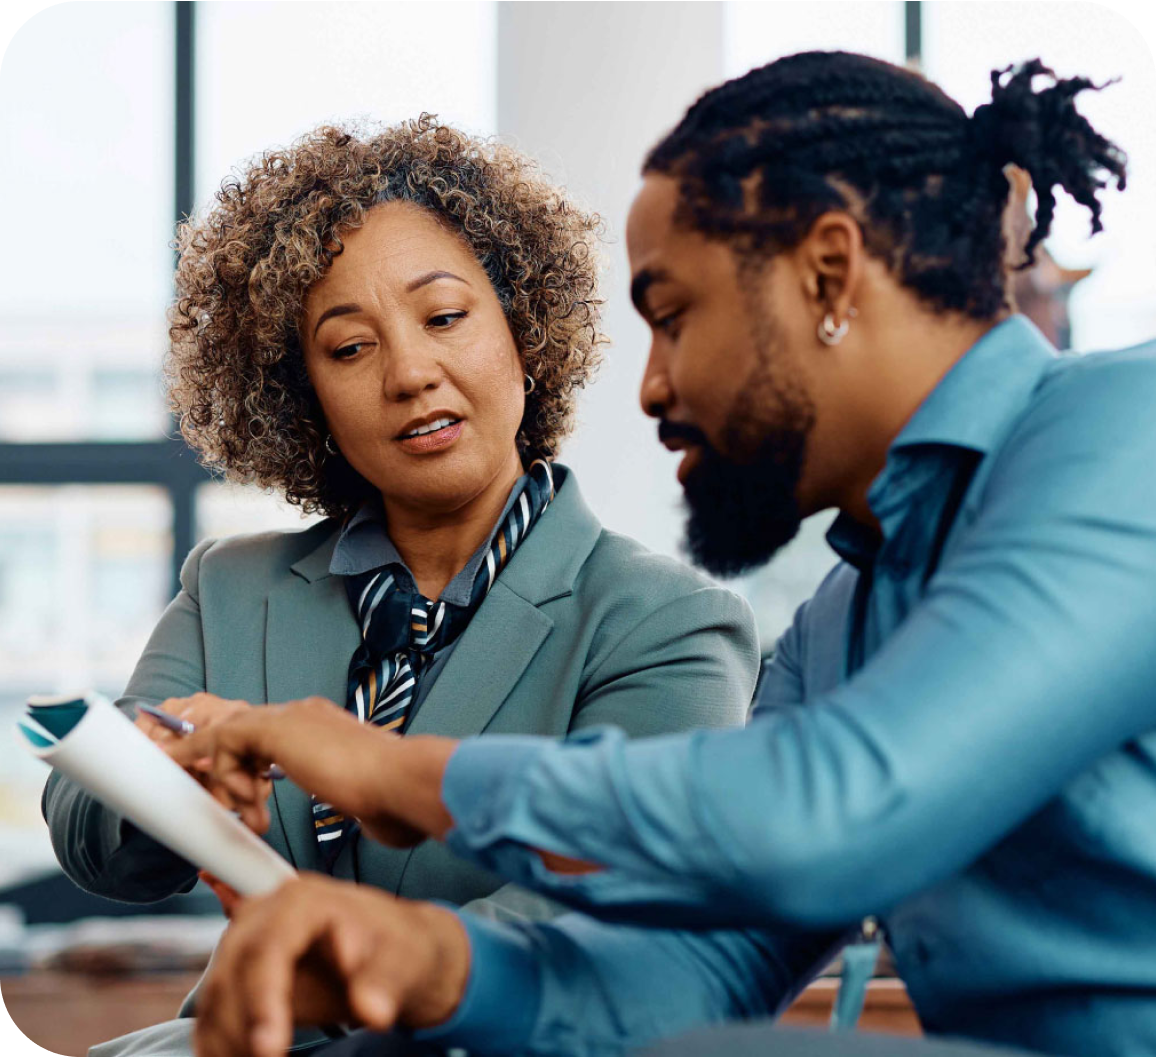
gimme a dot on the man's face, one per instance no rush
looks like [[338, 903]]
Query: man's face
[[723, 382]]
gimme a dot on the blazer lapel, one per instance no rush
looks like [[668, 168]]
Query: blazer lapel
[[310, 636], [509, 627], [486, 664]]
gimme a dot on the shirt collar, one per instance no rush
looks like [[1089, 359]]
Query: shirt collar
[[976, 402], [364, 544], [971, 410]]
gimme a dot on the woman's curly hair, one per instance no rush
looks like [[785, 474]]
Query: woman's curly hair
[[235, 370]]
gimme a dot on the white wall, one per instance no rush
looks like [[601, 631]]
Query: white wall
[[588, 88]]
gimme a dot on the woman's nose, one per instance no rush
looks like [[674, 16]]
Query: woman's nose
[[410, 369]]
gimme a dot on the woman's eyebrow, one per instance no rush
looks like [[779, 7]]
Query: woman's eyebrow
[[430, 277], [413, 284], [336, 310]]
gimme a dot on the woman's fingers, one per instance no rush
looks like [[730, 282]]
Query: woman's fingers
[[246, 785], [229, 897]]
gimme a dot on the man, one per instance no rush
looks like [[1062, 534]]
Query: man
[[953, 741]]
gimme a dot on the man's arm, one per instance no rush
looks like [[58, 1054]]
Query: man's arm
[[577, 986], [319, 950], [689, 663], [1028, 659]]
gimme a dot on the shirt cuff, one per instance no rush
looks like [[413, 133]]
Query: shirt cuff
[[499, 1009]]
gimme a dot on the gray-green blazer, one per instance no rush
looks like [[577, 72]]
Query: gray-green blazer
[[584, 627]]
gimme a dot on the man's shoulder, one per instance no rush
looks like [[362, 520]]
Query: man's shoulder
[[1084, 447], [824, 615], [1096, 388]]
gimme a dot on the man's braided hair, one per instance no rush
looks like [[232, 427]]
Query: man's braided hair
[[761, 157]]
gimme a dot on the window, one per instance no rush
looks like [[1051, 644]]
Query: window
[[1116, 305], [86, 131], [116, 118], [263, 78]]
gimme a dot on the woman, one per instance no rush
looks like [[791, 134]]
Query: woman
[[391, 328]]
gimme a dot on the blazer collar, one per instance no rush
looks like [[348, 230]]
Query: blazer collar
[[544, 567]]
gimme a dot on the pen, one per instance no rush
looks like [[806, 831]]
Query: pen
[[184, 728]]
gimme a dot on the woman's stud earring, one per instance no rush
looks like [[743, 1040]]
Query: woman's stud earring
[[329, 444], [530, 385]]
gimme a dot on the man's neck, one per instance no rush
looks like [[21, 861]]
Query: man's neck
[[917, 359]]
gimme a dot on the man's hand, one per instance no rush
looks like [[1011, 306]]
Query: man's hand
[[321, 951], [392, 785], [203, 710]]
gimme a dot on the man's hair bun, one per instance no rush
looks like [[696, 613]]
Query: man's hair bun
[[1041, 131]]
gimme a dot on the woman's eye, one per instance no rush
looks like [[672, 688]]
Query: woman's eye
[[347, 352], [445, 319]]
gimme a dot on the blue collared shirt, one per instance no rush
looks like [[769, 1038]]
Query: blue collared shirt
[[955, 735]]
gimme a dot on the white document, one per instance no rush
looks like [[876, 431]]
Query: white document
[[92, 742]]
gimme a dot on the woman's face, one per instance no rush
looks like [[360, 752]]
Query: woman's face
[[414, 363]]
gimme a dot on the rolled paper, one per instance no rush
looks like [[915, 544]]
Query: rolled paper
[[89, 740]]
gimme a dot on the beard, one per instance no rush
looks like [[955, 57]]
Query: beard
[[741, 500]]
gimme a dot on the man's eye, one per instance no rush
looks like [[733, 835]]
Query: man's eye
[[347, 352], [668, 324], [443, 320]]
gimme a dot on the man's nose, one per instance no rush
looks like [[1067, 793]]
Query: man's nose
[[411, 368], [655, 394]]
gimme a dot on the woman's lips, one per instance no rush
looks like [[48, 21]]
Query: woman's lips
[[436, 441]]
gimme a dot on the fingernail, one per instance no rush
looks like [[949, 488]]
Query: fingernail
[[265, 1040], [380, 1006]]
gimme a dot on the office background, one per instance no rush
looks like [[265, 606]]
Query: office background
[[118, 118]]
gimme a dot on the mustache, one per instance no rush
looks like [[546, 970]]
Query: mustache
[[679, 431]]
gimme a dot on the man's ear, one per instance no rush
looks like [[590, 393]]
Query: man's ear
[[830, 259]]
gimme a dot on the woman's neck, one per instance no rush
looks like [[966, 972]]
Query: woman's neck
[[437, 546]]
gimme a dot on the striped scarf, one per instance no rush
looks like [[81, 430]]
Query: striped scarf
[[401, 630]]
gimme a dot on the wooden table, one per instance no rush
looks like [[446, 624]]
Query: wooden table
[[68, 1012]]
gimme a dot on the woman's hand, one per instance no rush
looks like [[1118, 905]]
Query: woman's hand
[[228, 896], [392, 785], [322, 951]]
